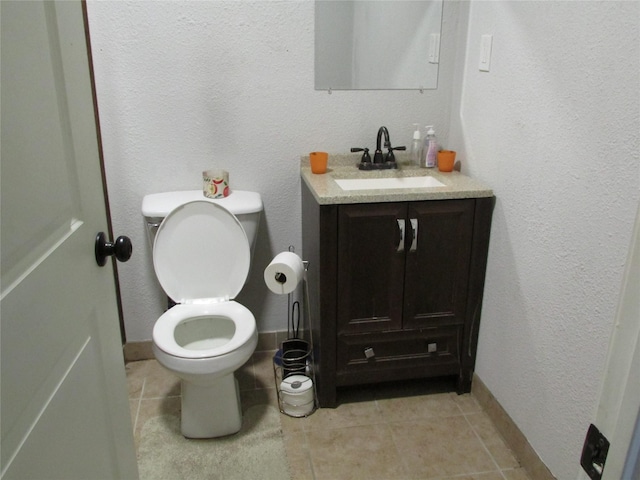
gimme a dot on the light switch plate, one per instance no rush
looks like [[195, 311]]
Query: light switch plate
[[434, 48], [485, 53]]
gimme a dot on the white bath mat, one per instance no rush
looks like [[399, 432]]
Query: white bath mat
[[257, 451]]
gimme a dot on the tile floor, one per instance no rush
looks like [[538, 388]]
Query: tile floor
[[391, 432]]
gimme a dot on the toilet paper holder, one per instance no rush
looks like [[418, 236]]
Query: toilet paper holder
[[294, 358], [285, 272]]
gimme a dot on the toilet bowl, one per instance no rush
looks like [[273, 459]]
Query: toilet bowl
[[201, 256], [202, 342]]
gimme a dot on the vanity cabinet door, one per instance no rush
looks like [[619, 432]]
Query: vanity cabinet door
[[437, 263], [371, 264], [403, 265]]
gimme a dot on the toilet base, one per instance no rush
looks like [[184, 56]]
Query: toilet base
[[213, 410]]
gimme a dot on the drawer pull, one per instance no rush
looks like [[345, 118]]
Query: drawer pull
[[369, 353], [432, 347]]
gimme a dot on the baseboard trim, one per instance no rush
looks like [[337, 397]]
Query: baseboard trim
[[522, 449], [135, 351]]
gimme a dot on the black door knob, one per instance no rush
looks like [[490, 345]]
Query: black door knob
[[121, 248]]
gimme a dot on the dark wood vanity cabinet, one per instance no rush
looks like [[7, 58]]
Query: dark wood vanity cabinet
[[395, 289]]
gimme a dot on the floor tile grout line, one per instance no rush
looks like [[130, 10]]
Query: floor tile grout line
[[504, 441], [466, 475], [387, 423], [407, 470], [161, 397], [486, 449], [307, 451], [460, 413], [135, 423]]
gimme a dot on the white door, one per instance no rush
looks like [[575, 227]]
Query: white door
[[619, 407], [64, 408]]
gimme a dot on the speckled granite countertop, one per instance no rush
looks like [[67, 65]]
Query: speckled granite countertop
[[327, 192]]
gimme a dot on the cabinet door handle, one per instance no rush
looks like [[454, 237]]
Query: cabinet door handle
[[401, 228], [414, 233]]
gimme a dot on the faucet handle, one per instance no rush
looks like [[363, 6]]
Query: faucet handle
[[390, 157], [366, 158]]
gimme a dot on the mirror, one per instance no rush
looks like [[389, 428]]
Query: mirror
[[373, 44]]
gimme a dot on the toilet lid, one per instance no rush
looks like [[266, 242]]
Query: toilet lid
[[201, 253]]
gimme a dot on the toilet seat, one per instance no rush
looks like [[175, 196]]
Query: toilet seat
[[201, 256], [165, 327]]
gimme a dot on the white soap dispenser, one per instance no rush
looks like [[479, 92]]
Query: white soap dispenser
[[430, 152], [416, 146]]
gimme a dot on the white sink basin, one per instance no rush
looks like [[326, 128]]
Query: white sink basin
[[393, 182]]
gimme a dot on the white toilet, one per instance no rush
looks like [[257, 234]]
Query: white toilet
[[201, 255]]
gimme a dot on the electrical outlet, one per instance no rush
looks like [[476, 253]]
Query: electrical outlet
[[594, 453]]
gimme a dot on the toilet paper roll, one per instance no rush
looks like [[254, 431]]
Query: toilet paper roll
[[284, 273]]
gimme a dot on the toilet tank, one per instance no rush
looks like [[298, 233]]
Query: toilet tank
[[246, 206]]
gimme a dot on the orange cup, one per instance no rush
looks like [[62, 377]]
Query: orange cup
[[446, 159], [318, 161]]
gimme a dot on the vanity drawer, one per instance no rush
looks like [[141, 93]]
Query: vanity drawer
[[391, 355]]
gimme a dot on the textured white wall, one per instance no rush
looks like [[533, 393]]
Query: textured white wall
[[186, 86], [553, 128]]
